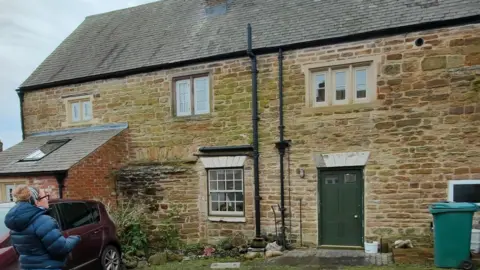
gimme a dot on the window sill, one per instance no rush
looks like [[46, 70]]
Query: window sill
[[199, 117], [228, 219], [344, 107]]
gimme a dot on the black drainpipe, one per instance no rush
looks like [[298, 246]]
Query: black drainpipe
[[61, 182], [258, 241], [281, 145], [21, 94]]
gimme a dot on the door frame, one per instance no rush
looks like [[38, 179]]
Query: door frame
[[360, 169]]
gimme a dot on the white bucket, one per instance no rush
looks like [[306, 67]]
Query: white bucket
[[475, 244], [371, 248]]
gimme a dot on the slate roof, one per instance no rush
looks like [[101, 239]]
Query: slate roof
[[83, 142], [171, 31]]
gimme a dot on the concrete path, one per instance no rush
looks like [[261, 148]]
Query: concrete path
[[330, 259]]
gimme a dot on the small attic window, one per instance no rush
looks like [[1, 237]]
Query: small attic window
[[45, 150]]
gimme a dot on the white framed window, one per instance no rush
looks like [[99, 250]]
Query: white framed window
[[341, 83], [464, 191], [226, 192], [192, 95], [79, 110]]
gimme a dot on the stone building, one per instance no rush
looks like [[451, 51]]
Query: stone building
[[381, 112]]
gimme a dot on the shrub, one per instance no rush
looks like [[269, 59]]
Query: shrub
[[130, 222]]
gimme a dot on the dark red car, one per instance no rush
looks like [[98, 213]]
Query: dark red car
[[99, 248]]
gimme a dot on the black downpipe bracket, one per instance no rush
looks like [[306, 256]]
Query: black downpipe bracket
[[281, 145], [21, 95], [258, 241]]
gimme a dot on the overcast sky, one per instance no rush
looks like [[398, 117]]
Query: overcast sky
[[29, 31]]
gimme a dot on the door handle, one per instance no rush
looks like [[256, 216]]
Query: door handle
[[355, 216]]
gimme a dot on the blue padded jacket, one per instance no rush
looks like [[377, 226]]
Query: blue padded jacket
[[37, 238]]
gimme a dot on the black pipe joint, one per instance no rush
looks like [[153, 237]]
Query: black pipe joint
[[282, 146]]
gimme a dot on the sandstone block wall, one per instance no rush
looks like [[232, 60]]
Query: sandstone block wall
[[421, 132]]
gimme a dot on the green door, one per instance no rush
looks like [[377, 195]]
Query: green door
[[341, 208]]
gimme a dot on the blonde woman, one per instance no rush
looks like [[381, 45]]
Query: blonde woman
[[34, 234]]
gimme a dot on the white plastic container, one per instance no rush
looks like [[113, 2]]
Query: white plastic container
[[475, 244], [371, 248]]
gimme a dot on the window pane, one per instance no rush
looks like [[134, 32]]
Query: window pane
[[361, 83], [213, 185], [239, 207], [238, 174], [229, 174], [350, 178], [221, 175], [238, 185], [75, 215], [87, 110], [340, 82], [320, 88], [212, 175], [221, 185], [239, 196], [466, 193], [183, 97], [329, 180], [214, 196], [215, 206], [230, 197], [202, 96], [95, 212], [75, 112], [221, 197], [229, 185], [222, 206]]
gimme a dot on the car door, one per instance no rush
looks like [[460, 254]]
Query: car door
[[78, 219]]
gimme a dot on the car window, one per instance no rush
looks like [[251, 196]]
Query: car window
[[3, 228], [95, 212], [75, 215], [53, 212]]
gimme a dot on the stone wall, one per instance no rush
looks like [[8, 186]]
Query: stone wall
[[178, 184], [421, 132]]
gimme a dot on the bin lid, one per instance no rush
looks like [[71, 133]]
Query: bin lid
[[443, 207]]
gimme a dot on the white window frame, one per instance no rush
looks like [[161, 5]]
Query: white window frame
[[79, 101], [193, 110], [227, 213], [453, 183], [370, 64], [333, 89]]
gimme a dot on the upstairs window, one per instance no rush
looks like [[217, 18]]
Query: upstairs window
[[341, 83], [79, 110], [192, 95]]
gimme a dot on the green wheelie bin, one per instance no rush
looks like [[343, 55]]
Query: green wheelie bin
[[452, 233]]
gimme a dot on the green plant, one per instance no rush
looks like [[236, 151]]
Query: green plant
[[130, 223], [168, 236]]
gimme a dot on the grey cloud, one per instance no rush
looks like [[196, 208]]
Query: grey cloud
[[29, 31]]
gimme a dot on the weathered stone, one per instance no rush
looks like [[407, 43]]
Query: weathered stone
[[158, 259], [384, 125], [409, 122], [392, 69], [433, 63], [397, 56], [472, 59], [437, 83], [410, 66], [454, 61], [457, 42]]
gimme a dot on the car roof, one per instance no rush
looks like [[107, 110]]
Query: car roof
[[72, 200], [7, 205]]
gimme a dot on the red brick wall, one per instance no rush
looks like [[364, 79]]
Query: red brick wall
[[92, 178]]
